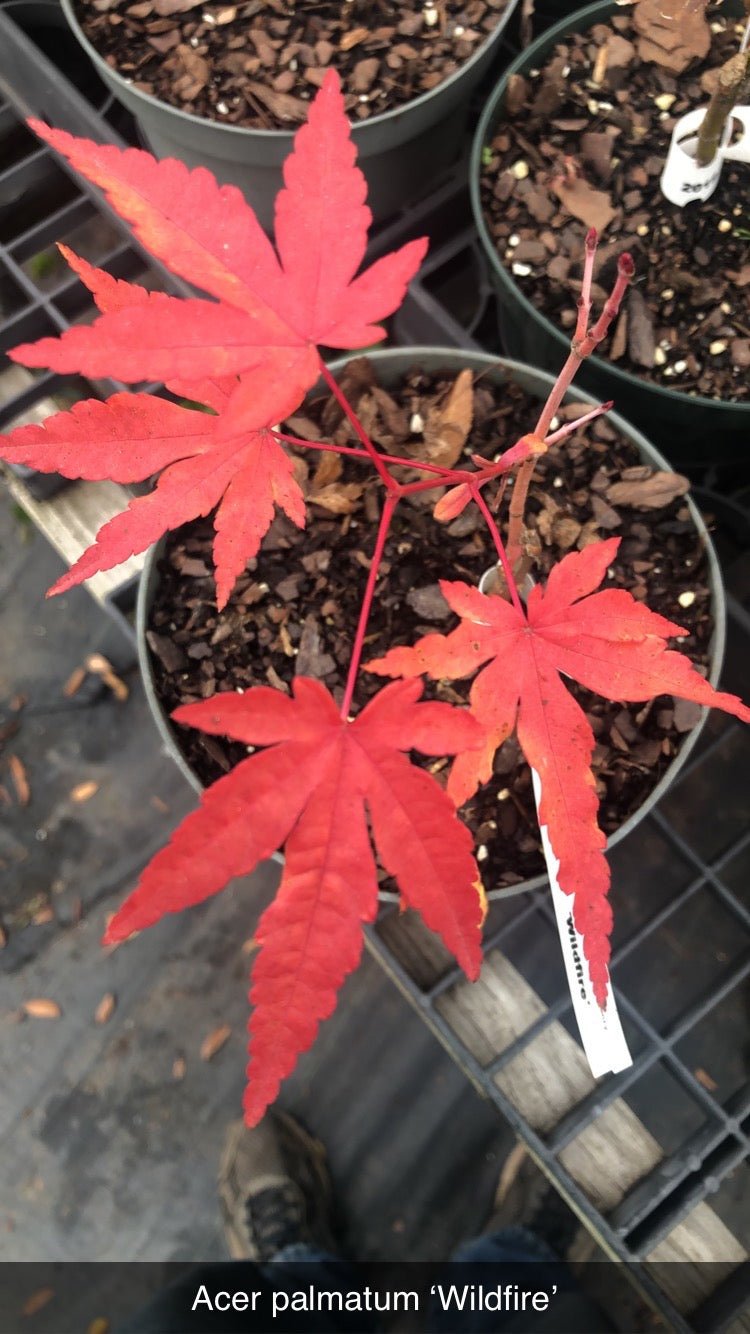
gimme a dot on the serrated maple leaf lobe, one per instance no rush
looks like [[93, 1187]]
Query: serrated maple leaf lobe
[[184, 491], [115, 293], [556, 739], [264, 716], [124, 440], [206, 233], [167, 337], [132, 436], [321, 218], [312, 788], [310, 937], [242, 819], [246, 510], [607, 642], [429, 852]]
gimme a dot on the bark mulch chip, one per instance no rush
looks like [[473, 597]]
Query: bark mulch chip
[[259, 64], [295, 609], [584, 145]]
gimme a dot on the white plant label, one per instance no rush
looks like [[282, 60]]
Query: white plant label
[[601, 1031], [683, 180]]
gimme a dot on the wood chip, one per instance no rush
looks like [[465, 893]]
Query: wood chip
[[105, 1009], [641, 336], [649, 493], [165, 8], [42, 1008], [429, 603], [84, 791], [686, 715], [353, 38], [705, 1079], [20, 780], [593, 207], [673, 33], [179, 1067], [214, 1042]]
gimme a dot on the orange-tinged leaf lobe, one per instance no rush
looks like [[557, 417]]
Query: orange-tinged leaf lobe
[[605, 640]]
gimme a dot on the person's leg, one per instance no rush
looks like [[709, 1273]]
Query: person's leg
[[276, 1205], [520, 1252]]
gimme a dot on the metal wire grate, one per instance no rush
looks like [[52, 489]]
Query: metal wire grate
[[686, 866]]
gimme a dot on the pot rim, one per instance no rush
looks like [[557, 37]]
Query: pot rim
[[275, 136], [578, 21], [481, 361]]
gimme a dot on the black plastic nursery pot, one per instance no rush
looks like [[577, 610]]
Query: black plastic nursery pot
[[401, 152], [44, 22], [391, 364], [693, 429]]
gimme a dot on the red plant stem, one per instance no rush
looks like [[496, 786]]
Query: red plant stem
[[581, 348], [362, 435], [500, 549], [322, 444], [392, 460], [389, 506], [571, 427]]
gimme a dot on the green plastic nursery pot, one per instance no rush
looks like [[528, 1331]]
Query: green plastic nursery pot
[[692, 429], [401, 151], [391, 364]]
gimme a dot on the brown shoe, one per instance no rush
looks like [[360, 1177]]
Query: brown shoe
[[274, 1189]]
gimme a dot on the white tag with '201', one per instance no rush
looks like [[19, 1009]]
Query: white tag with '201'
[[601, 1031]]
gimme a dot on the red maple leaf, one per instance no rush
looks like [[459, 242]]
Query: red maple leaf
[[272, 310], [314, 788], [130, 437], [607, 642]]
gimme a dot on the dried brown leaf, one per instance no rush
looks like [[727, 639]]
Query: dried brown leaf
[[105, 1009], [37, 1301], [100, 666], [20, 780], [339, 498], [74, 682], [84, 791], [447, 427], [214, 1041], [328, 470], [40, 1007]]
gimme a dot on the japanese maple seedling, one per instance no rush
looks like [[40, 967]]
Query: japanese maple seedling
[[333, 789]]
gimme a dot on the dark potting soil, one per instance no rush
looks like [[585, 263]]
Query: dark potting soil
[[576, 153], [258, 64], [295, 610]]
